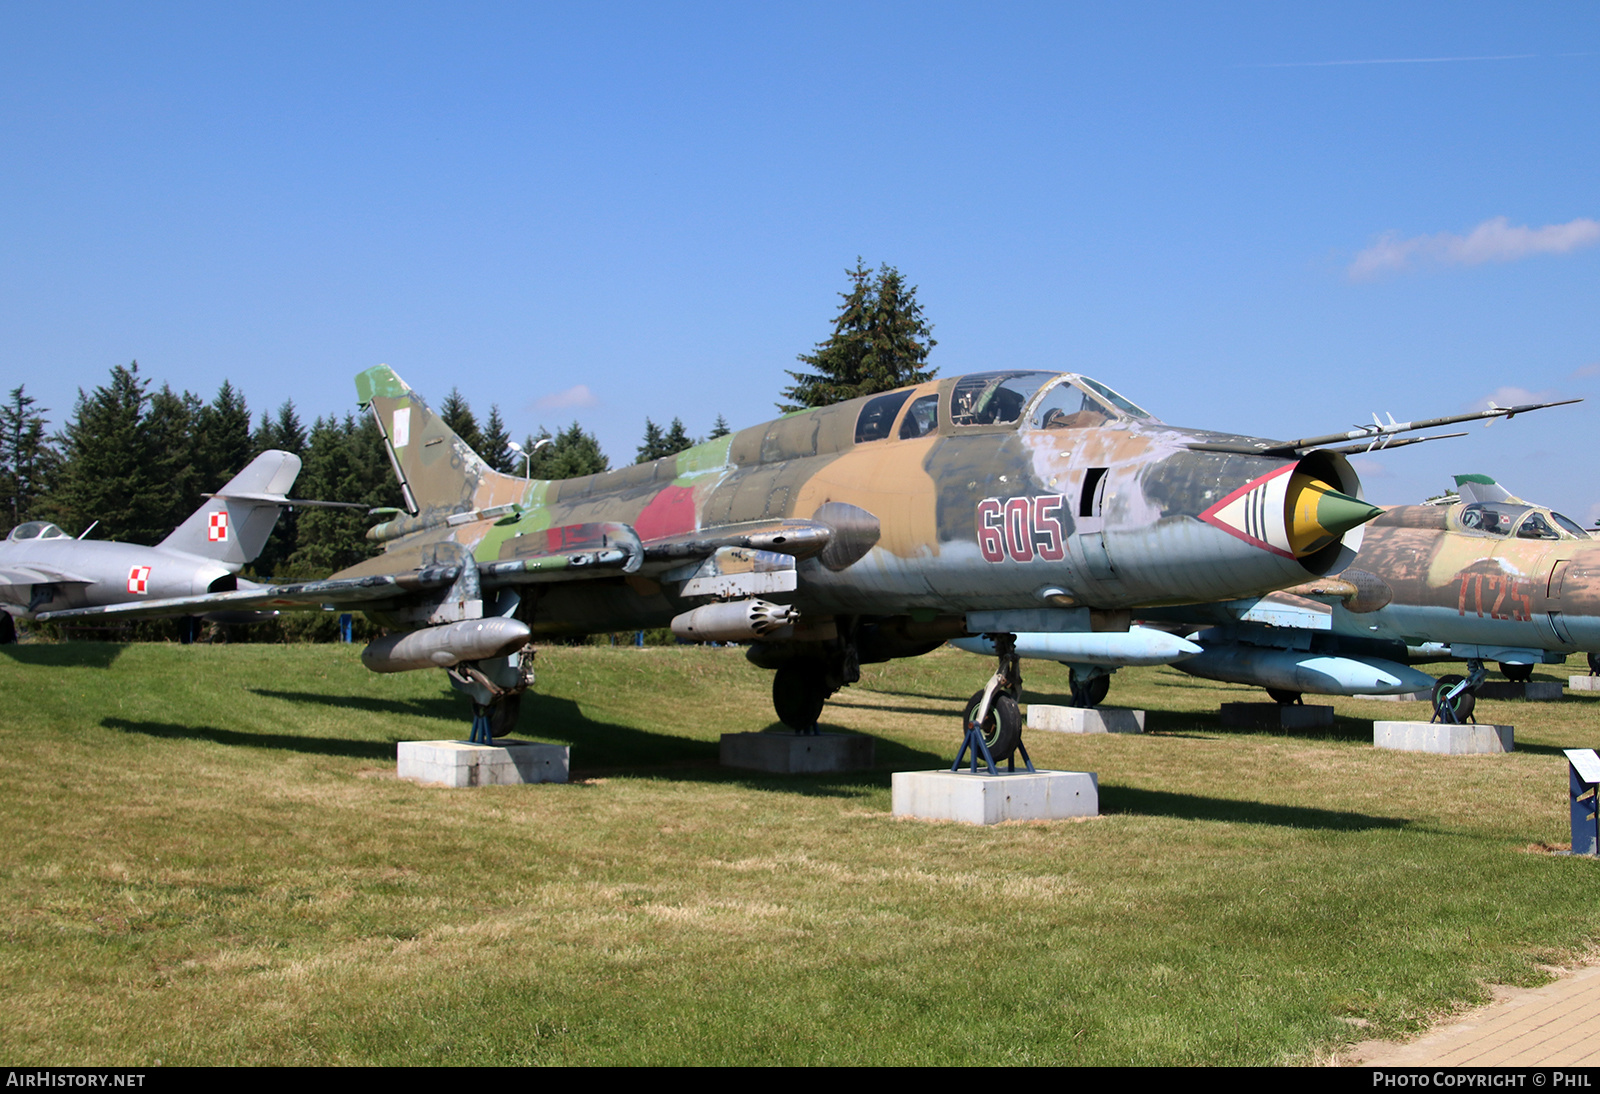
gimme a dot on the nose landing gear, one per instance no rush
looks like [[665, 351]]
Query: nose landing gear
[[992, 720]]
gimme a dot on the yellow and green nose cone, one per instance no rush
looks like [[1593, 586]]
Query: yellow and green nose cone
[[1318, 514]]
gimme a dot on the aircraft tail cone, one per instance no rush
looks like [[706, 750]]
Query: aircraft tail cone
[[1319, 514]]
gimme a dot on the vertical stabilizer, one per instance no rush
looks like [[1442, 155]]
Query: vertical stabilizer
[[234, 523], [437, 470], [1484, 490]]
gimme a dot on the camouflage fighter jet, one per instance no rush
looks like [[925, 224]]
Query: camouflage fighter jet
[[1490, 577], [993, 503], [44, 570]]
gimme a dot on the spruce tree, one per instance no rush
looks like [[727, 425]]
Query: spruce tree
[[105, 472], [571, 453], [719, 428], [653, 447], [456, 414], [880, 341], [496, 450], [27, 458]]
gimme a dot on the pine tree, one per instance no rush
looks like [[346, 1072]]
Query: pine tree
[[170, 426], [27, 458], [222, 438], [653, 446], [719, 428], [571, 453], [456, 414], [104, 473], [676, 439], [880, 341], [496, 450]]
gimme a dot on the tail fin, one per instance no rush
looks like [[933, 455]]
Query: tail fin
[[1481, 488], [436, 469], [234, 523]]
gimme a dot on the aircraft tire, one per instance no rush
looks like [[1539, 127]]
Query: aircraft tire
[[798, 694], [1594, 664], [1517, 674], [1090, 695], [1002, 730], [504, 714], [1283, 697], [8, 629], [1463, 702]]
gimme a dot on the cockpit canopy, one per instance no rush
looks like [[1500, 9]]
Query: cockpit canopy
[[1028, 400], [36, 529], [1515, 521]]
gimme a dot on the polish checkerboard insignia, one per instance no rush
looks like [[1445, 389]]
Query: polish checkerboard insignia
[[217, 530], [139, 580]]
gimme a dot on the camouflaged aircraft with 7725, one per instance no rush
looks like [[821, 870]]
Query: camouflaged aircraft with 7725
[[876, 528]]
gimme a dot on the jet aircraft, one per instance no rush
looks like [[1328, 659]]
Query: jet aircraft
[[993, 503], [1489, 577], [44, 570]]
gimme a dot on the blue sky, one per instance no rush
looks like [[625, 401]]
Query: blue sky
[[1268, 218]]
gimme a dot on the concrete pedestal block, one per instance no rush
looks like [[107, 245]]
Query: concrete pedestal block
[[1533, 690], [460, 763], [1583, 683], [1275, 716], [1444, 739], [1078, 720], [796, 753], [1408, 697], [990, 799]]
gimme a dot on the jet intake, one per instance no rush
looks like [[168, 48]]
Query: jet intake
[[1318, 514], [734, 621], [445, 646]]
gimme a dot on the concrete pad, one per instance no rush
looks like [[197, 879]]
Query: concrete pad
[[461, 763], [1583, 683], [990, 799], [1408, 697], [796, 753], [1078, 720], [1533, 690], [1444, 739], [1275, 716]]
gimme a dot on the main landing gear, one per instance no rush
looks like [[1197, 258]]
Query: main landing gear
[[802, 685], [495, 687], [1090, 684], [992, 719]]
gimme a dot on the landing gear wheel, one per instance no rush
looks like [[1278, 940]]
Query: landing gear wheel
[[503, 715], [1002, 729], [1092, 693], [1517, 674], [8, 629], [1460, 709], [1283, 697], [798, 694], [1594, 664]]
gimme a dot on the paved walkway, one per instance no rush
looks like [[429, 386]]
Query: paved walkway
[[1557, 1025]]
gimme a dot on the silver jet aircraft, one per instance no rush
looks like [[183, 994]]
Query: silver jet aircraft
[[42, 569]]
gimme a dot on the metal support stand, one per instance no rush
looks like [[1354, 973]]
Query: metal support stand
[[974, 741], [1583, 777]]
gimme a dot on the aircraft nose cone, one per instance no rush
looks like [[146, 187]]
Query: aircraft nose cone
[[1319, 514]]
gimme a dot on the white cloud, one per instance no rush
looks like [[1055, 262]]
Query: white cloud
[[1587, 370], [1495, 240], [1370, 469], [577, 395]]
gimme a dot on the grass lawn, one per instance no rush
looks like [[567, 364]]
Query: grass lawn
[[208, 859]]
